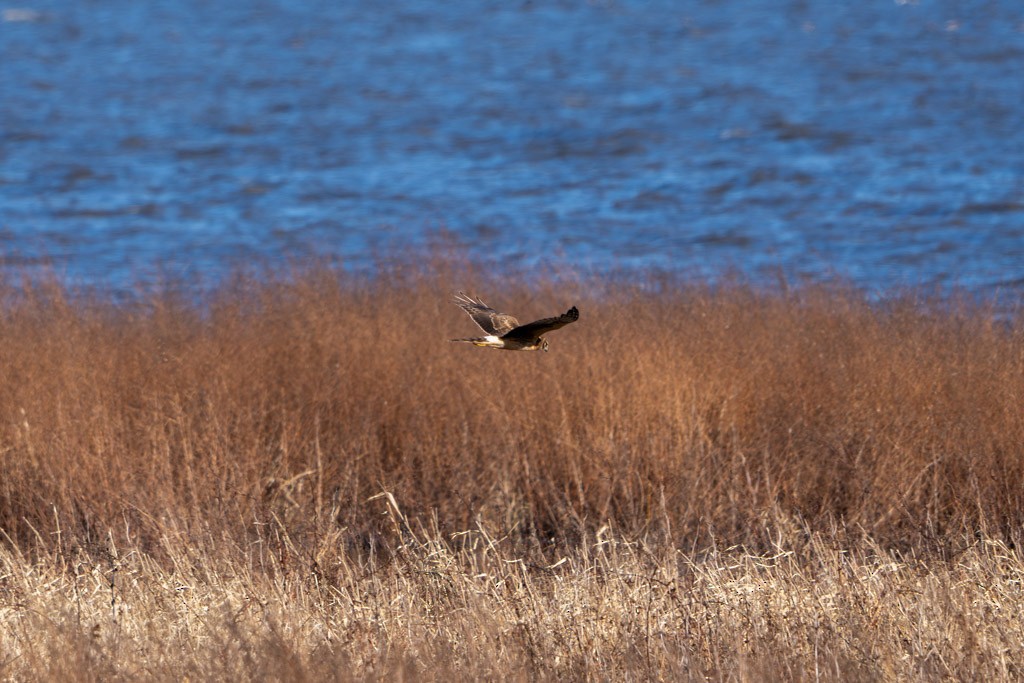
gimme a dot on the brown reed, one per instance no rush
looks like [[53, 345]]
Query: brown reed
[[672, 413], [263, 420]]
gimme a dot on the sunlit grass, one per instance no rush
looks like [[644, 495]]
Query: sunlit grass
[[299, 477]]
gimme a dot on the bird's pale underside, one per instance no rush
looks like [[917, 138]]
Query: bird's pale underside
[[504, 332]]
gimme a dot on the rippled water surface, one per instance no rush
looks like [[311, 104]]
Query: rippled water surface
[[879, 141]]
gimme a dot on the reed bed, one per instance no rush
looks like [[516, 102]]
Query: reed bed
[[296, 476]]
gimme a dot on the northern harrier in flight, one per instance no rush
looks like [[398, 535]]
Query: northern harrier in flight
[[505, 332]]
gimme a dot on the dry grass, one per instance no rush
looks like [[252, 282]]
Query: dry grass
[[300, 478], [470, 608]]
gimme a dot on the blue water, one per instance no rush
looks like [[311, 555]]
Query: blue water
[[878, 141]]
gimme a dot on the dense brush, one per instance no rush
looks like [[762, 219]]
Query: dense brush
[[280, 431]]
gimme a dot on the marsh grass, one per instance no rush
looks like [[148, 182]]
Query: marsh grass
[[299, 477]]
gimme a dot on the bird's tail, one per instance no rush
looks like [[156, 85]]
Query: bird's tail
[[477, 341]]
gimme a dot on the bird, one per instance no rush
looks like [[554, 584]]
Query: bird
[[504, 331]]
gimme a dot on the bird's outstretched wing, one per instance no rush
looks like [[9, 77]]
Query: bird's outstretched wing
[[535, 329], [489, 320]]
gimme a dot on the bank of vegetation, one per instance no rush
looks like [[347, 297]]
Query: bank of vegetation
[[299, 477]]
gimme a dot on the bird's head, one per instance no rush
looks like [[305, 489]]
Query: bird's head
[[544, 345]]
